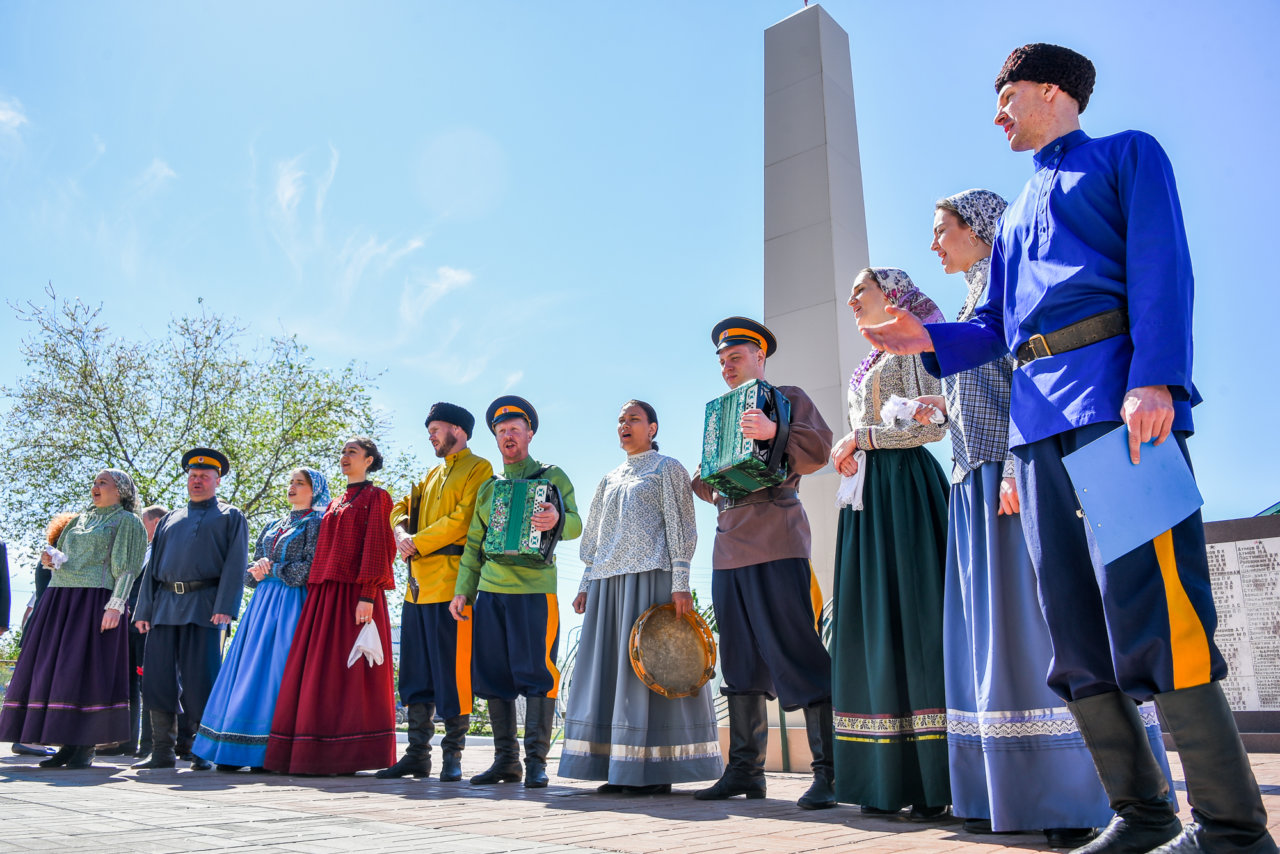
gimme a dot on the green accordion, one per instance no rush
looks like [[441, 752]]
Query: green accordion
[[511, 533], [732, 464]]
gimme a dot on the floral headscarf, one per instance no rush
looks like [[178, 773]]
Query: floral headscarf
[[980, 210], [901, 293], [128, 491], [319, 489]]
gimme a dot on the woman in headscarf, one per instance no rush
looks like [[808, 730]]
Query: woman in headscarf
[[237, 719], [71, 684], [886, 655], [1018, 761], [636, 546], [332, 718]]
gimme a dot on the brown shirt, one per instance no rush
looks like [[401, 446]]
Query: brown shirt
[[758, 533]]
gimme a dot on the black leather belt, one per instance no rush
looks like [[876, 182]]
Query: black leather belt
[[1091, 330], [181, 587], [760, 496], [447, 551]]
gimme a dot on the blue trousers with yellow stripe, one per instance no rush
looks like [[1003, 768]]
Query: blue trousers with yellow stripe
[[769, 641], [518, 636], [435, 658], [1142, 624]]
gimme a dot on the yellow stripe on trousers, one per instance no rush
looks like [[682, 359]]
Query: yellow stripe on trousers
[[1188, 643], [462, 662], [553, 628], [815, 597]]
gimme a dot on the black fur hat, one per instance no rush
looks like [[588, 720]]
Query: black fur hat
[[1050, 63], [453, 414]]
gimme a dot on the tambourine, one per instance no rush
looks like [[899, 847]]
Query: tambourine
[[673, 656]]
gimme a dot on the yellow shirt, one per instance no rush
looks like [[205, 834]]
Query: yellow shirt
[[446, 500]]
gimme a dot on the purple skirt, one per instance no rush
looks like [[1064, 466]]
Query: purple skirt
[[71, 682]]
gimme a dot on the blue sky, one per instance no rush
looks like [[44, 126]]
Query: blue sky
[[560, 199]]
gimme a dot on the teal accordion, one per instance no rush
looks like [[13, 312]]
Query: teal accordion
[[511, 535], [732, 464]]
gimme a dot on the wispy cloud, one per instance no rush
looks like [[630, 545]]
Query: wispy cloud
[[422, 293], [322, 193], [154, 177], [12, 116], [289, 186], [511, 380]]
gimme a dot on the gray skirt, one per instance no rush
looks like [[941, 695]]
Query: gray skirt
[[616, 729]]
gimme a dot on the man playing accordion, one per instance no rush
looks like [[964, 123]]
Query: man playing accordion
[[765, 595], [517, 629]]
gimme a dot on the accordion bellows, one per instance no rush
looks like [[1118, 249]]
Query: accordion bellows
[[511, 531], [732, 464]]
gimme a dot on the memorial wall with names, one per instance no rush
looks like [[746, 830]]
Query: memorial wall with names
[[1244, 563]]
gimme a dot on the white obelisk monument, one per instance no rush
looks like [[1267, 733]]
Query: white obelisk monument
[[815, 234]]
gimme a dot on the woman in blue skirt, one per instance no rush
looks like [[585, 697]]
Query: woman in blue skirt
[[237, 719], [1017, 759]]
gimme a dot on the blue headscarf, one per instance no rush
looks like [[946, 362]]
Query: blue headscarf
[[278, 535], [319, 490]]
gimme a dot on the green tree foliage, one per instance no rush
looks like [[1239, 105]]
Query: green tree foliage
[[91, 399]]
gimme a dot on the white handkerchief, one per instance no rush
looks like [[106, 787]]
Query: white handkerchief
[[367, 644], [850, 491], [55, 556]]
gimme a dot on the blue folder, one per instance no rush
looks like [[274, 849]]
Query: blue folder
[[1127, 505]]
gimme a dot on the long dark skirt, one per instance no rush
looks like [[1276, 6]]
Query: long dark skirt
[[330, 718], [887, 664], [71, 683]]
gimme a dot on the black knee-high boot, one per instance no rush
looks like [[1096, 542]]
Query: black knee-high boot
[[539, 720], [819, 727], [506, 749], [164, 733], [416, 761], [748, 737], [1135, 785], [455, 739], [1226, 806]]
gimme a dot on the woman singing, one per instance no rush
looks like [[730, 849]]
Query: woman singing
[[636, 545], [71, 684]]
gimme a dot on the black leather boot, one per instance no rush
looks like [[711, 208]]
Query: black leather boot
[[186, 738], [1131, 777], [60, 758], [164, 732], [539, 720], [1226, 806], [748, 737], [455, 739], [144, 734], [81, 757], [819, 727], [506, 750], [416, 761]]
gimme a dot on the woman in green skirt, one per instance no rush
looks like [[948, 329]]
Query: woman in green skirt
[[886, 657]]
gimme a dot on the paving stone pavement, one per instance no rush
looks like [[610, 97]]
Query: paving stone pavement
[[110, 808]]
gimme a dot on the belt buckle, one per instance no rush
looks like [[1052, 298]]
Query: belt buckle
[[179, 588], [1042, 343]]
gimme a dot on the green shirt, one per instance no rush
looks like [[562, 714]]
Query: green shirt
[[479, 571], [104, 548]]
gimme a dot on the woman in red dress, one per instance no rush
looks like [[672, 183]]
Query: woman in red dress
[[331, 718]]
